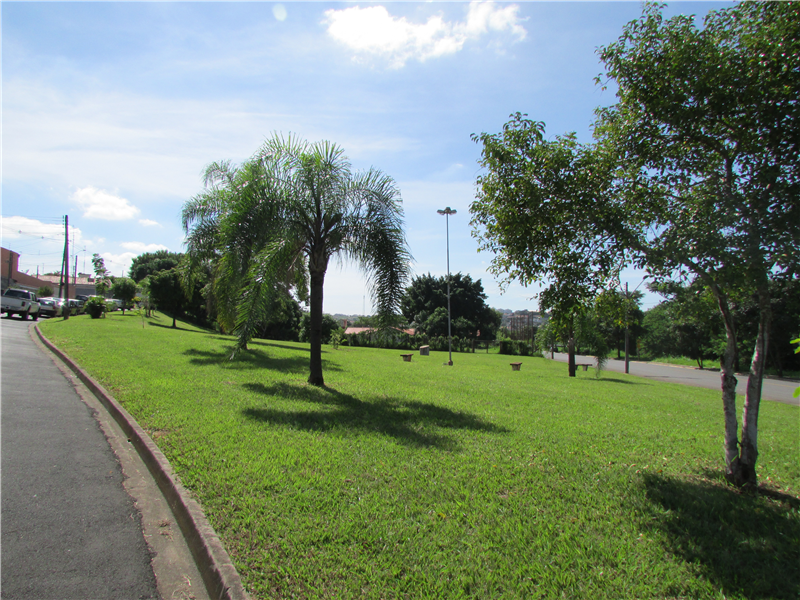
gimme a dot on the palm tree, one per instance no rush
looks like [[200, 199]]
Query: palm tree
[[275, 222]]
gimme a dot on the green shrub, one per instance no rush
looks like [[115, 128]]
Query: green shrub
[[96, 307]]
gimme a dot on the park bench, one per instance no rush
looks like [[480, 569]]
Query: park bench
[[584, 365], [424, 350], [407, 357], [515, 366]]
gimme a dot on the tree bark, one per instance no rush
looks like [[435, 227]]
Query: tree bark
[[746, 475], [317, 276], [571, 347], [728, 376]]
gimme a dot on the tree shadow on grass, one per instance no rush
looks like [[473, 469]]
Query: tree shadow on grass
[[271, 344], [746, 544], [409, 422], [178, 328], [617, 380], [253, 358]]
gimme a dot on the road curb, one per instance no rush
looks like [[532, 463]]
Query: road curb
[[220, 577]]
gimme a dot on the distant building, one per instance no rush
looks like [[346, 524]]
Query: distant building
[[78, 284], [10, 275], [525, 317]]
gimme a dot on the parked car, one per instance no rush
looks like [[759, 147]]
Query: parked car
[[20, 302], [73, 306], [79, 304], [50, 307]]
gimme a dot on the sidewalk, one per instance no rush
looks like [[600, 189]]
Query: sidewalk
[[81, 515]]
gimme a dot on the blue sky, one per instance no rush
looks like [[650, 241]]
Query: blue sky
[[110, 111]]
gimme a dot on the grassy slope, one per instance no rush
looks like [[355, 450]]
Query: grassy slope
[[417, 480]]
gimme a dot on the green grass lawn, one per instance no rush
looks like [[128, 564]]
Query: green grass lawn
[[416, 480]]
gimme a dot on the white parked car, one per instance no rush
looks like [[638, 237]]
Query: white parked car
[[20, 302]]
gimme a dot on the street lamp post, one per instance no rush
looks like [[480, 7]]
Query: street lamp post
[[447, 212]]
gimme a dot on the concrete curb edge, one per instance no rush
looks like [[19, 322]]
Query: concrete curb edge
[[220, 577]]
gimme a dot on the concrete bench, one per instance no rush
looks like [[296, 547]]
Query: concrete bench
[[424, 350], [407, 357], [584, 365], [515, 366]]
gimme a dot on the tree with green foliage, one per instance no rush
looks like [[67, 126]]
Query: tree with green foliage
[[704, 136], [283, 322], [329, 327], [167, 293], [686, 324], [424, 306], [45, 291], [150, 263], [275, 222], [378, 322], [538, 209], [102, 281], [124, 289], [617, 311], [695, 171], [784, 294]]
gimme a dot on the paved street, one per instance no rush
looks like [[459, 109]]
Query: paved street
[[780, 390], [69, 529]]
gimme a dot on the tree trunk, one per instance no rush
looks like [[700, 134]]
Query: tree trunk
[[746, 475], [317, 276], [571, 347], [728, 377]]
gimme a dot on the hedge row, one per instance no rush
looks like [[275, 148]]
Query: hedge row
[[403, 341]]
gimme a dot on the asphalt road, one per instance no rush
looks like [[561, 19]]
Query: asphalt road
[[780, 390], [69, 529]]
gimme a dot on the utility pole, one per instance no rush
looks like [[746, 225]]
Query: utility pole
[[447, 212], [66, 266]]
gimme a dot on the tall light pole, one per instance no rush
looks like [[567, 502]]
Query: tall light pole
[[447, 212]]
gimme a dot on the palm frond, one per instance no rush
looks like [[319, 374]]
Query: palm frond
[[376, 239], [260, 289]]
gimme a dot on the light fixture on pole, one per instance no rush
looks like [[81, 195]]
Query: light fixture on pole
[[447, 212]]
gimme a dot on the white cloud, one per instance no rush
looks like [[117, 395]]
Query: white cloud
[[23, 228], [149, 223], [100, 204], [40, 245], [118, 264], [279, 12], [373, 31], [141, 247]]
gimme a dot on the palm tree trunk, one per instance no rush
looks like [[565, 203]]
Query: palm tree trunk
[[317, 282]]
